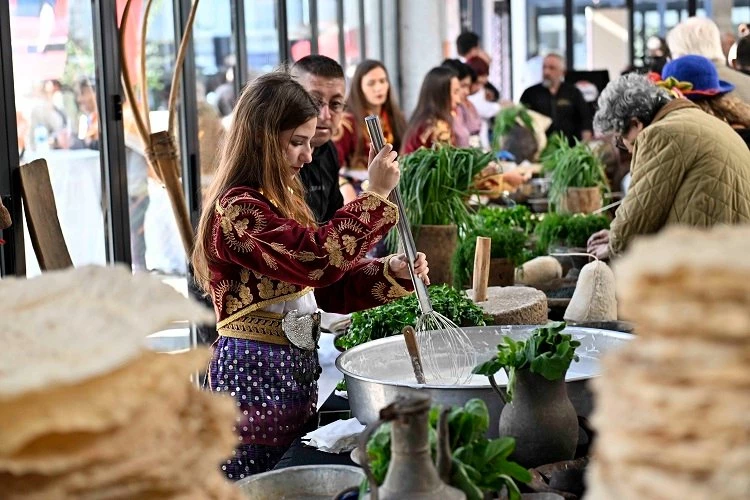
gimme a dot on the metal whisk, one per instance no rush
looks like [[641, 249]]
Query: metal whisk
[[447, 351]]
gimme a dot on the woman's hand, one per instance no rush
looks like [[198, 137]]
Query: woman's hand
[[515, 178], [383, 171], [400, 268], [598, 244]]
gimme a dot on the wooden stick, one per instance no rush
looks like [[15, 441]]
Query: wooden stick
[[144, 83], [174, 91], [411, 346], [481, 268]]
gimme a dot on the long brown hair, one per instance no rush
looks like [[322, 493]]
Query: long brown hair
[[727, 108], [358, 106], [253, 156], [434, 99]]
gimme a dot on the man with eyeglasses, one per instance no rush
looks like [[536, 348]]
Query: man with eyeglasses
[[324, 79]]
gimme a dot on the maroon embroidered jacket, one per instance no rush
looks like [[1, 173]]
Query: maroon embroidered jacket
[[265, 258]]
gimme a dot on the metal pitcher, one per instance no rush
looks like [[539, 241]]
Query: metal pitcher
[[411, 473]]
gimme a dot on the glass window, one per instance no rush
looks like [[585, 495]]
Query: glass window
[[56, 113], [215, 56], [600, 36], [352, 32], [545, 34], [654, 18], [262, 37], [154, 238], [298, 28], [373, 30], [740, 14], [328, 30]]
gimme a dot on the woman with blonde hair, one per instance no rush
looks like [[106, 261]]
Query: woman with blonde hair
[[267, 266], [695, 78]]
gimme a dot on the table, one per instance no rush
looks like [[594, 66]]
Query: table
[[334, 408]]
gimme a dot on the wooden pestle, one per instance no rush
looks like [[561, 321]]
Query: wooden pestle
[[481, 268]]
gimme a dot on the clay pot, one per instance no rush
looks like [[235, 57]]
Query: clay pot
[[581, 201], [439, 244], [542, 420], [502, 273]]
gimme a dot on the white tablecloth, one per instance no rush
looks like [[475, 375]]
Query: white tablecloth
[[76, 183]]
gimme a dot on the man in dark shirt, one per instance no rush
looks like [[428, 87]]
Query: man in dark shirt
[[323, 78], [561, 101]]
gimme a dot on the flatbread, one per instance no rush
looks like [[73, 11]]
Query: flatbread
[[67, 326]]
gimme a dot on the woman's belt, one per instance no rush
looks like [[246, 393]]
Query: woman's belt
[[300, 330]]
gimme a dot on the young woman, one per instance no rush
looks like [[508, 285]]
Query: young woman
[[268, 267], [432, 120], [370, 94], [467, 124]]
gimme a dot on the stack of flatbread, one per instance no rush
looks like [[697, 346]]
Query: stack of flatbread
[[673, 407], [86, 412]]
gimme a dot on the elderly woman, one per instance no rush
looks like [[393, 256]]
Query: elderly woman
[[687, 168]]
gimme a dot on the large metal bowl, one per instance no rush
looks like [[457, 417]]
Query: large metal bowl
[[309, 482], [379, 371]]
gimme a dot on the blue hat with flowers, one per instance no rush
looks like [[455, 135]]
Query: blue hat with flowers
[[697, 77]]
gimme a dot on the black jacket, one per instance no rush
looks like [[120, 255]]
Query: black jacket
[[321, 181], [569, 111]]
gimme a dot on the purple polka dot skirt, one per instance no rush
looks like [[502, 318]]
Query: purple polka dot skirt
[[276, 390]]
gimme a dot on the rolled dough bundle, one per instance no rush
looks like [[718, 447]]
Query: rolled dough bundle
[[539, 271], [594, 298]]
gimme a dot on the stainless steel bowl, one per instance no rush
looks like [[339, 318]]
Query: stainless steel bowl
[[309, 482], [379, 371]]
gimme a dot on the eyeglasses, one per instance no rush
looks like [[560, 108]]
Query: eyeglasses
[[620, 144], [333, 106]]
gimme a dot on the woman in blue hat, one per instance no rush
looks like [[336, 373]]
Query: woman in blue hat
[[695, 78]]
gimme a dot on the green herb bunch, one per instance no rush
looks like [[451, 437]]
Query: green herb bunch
[[479, 465], [507, 119], [547, 352], [568, 230], [435, 184], [389, 319], [507, 243], [575, 166], [518, 216]]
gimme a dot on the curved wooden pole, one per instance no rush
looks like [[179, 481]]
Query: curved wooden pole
[[174, 91]]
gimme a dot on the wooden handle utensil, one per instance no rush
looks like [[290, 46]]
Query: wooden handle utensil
[[481, 268], [411, 346]]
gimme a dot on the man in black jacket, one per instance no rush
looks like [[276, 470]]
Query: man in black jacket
[[323, 78], [561, 101]]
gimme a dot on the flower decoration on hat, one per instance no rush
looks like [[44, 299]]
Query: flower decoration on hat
[[675, 87]]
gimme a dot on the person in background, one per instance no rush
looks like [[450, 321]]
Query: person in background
[[701, 37], [688, 167], [324, 79], [88, 123], [268, 266], [707, 91], [467, 46], [370, 93], [467, 124], [432, 119], [486, 109], [742, 60], [559, 100]]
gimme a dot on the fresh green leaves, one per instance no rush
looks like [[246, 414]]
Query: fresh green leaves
[[479, 465], [569, 230], [507, 119], [508, 228], [485, 464], [572, 166], [547, 352], [435, 184], [389, 319]]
